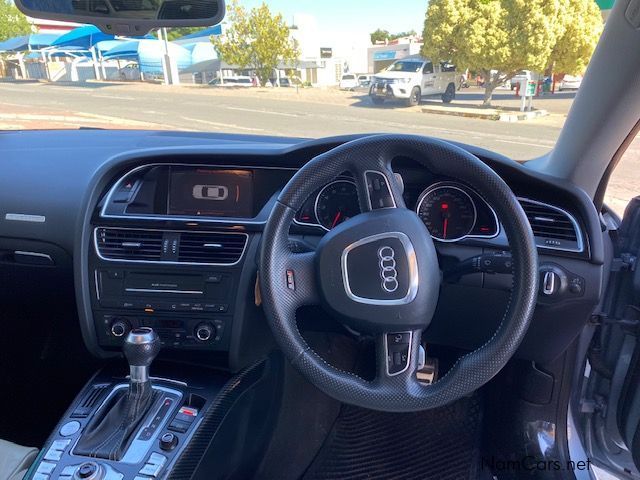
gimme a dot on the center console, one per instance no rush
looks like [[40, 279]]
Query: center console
[[143, 427]]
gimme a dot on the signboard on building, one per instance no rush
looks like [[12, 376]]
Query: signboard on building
[[326, 52], [387, 55]]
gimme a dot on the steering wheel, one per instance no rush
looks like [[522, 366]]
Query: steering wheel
[[378, 273]]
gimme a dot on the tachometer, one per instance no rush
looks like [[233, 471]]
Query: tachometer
[[336, 203], [447, 211]]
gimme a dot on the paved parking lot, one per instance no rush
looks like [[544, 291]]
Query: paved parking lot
[[287, 112]]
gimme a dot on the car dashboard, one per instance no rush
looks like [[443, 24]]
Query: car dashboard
[[164, 230]]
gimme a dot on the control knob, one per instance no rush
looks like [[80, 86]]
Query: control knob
[[204, 332], [120, 327]]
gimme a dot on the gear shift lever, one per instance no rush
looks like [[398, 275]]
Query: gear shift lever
[[140, 348], [110, 431]]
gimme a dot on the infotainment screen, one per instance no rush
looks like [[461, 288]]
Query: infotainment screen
[[212, 192]]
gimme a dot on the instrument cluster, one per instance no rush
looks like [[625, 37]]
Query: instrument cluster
[[450, 210]]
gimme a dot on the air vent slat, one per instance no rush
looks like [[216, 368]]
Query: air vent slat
[[551, 226]]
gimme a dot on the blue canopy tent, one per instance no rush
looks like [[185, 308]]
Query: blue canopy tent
[[199, 36], [148, 54], [33, 41], [201, 51], [81, 38], [84, 38]]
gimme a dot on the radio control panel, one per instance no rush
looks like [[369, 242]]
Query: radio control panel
[[190, 309]]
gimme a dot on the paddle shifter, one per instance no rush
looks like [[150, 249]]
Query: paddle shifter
[[110, 431], [140, 348]]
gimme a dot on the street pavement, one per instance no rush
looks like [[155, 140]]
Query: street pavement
[[308, 113]]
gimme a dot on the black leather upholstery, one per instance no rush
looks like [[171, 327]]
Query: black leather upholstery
[[109, 433]]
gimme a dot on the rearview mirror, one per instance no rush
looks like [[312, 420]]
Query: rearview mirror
[[128, 17]]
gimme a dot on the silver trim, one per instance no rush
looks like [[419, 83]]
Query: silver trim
[[386, 352], [574, 222], [32, 254], [160, 262], [153, 290], [549, 283], [203, 219], [462, 188], [412, 261], [386, 181], [315, 204], [25, 217]]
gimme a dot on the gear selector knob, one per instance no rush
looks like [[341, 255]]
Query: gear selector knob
[[140, 348]]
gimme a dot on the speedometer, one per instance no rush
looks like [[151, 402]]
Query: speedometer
[[447, 211], [336, 203]]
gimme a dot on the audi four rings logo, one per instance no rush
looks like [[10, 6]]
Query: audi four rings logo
[[388, 271]]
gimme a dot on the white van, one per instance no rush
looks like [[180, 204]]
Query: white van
[[348, 82], [413, 78]]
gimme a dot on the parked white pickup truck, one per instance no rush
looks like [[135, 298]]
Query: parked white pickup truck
[[413, 78]]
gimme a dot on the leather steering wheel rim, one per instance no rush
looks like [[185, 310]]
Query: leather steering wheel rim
[[289, 281]]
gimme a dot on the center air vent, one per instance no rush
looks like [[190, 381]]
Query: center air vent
[[169, 246], [552, 227], [129, 244], [218, 248]]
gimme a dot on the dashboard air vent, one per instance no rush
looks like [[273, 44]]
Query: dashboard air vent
[[552, 227], [129, 244], [218, 248]]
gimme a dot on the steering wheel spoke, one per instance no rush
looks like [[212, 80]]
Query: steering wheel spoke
[[378, 186], [397, 356], [299, 278]]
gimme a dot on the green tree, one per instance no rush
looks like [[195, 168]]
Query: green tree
[[500, 37], [12, 22], [574, 48], [257, 39], [379, 36], [178, 32], [383, 35]]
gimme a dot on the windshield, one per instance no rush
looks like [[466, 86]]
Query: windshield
[[284, 76], [405, 67]]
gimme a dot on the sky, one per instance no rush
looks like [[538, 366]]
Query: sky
[[355, 15]]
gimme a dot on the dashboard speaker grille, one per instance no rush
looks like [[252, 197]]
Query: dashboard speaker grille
[[218, 248], [126, 244], [552, 227]]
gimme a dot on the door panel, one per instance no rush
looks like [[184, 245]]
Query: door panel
[[428, 79]]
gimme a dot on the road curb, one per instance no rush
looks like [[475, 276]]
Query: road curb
[[486, 114]]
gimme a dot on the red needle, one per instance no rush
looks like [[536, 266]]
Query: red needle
[[336, 219], [446, 223]]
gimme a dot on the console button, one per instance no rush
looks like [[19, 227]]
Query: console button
[[178, 426], [53, 455], [69, 428], [154, 465], [40, 476], [46, 468], [168, 441], [213, 278]]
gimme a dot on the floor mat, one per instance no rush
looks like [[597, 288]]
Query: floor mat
[[442, 444]]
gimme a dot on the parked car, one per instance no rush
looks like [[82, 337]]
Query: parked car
[[348, 82], [570, 82], [413, 78], [364, 80], [236, 81], [130, 72]]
